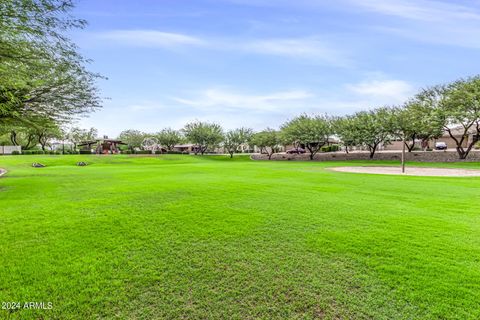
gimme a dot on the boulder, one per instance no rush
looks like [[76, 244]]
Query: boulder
[[81, 164], [37, 165]]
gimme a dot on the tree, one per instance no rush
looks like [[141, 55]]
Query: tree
[[456, 105], [76, 135], [413, 121], [370, 128], [204, 135], [45, 131], [267, 140], [312, 132], [133, 138], [168, 138], [42, 73], [343, 127], [18, 133], [235, 138]]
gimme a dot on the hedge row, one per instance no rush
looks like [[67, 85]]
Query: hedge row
[[331, 148]]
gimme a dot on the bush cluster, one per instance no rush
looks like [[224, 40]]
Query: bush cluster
[[331, 148]]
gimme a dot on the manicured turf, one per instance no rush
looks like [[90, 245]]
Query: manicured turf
[[184, 237]]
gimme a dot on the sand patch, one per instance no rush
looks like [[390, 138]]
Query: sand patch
[[412, 171]]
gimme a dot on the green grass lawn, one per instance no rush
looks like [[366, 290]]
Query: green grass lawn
[[184, 237]]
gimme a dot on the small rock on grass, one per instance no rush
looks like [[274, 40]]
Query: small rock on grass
[[81, 164], [37, 165]]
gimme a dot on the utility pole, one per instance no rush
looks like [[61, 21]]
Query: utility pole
[[403, 154]]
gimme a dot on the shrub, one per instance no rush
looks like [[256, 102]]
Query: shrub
[[143, 152], [33, 152], [126, 152], [334, 147], [174, 152], [15, 153], [158, 152], [85, 152], [477, 145], [326, 149]]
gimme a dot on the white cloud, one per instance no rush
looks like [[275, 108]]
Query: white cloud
[[423, 10], [219, 98], [383, 91], [437, 22], [310, 48], [150, 38]]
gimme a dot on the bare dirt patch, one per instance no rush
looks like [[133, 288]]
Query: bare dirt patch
[[412, 171]]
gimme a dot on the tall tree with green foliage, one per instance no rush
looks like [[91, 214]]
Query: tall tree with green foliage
[[76, 135], [370, 128], [18, 133], [168, 138], [236, 138], [42, 74], [343, 128], [412, 122], [311, 131], [456, 106], [46, 130], [267, 140], [133, 138], [204, 135]]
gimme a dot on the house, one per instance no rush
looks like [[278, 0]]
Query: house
[[451, 144], [185, 148]]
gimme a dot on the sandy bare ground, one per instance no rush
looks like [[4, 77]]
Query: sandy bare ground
[[412, 171]]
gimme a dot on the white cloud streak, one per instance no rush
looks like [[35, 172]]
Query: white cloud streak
[[383, 91], [150, 38], [421, 10], [310, 49], [436, 22], [215, 98]]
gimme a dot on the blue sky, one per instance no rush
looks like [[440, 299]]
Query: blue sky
[[257, 63]]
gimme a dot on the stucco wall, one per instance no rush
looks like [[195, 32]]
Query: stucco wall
[[427, 156], [9, 149]]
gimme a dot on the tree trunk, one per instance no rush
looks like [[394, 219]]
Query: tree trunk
[[462, 153], [310, 149], [13, 137], [409, 147], [372, 151]]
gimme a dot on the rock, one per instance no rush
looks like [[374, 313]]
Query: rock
[[37, 165], [81, 164]]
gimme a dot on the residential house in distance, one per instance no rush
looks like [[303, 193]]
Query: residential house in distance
[[451, 144]]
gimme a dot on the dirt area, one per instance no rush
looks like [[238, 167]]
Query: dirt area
[[412, 171]]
